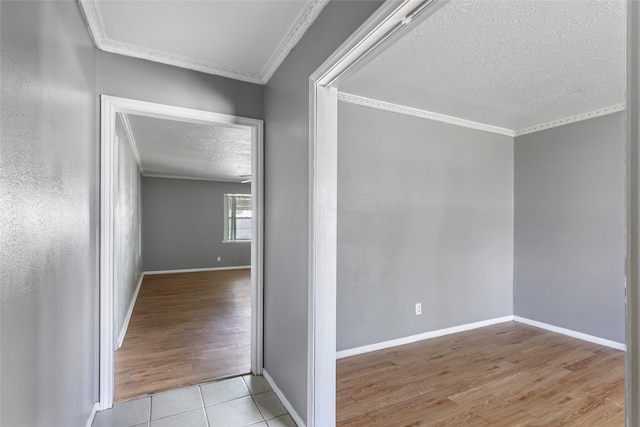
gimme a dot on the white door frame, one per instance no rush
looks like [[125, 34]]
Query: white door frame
[[323, 160], [323, 118], [110, 105]]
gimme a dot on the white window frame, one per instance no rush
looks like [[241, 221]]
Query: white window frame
[[225, 238]]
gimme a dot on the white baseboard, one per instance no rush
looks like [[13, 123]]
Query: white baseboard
[[196, 270], [92, 415], [127, 318], [570, 333], [414, 338], [283, 399]]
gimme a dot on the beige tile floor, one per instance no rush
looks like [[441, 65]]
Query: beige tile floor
[[236, 402]]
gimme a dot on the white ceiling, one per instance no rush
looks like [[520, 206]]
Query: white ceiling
[[505, 63], [180, 149], [241, 39]]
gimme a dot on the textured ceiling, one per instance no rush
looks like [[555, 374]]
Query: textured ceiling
[[191, 150], [241, 39], [511, 64]]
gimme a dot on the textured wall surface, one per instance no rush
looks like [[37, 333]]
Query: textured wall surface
[[570, 227], [49, 204], [127, 230], [287, 197], [183, 225], [425, 214], [151, 81]]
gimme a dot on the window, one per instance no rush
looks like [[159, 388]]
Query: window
[[237, 221]]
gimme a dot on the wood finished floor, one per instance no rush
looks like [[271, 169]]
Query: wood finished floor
[[502, 375], [186, 329]]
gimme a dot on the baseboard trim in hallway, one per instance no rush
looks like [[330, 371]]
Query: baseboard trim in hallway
[[571, 333], [127, 318], [283, 399], [419, 337], [92, 415], [197, 270]]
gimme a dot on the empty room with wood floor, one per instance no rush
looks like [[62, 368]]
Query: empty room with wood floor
[[183, 252], [481, 220], [320, 213]]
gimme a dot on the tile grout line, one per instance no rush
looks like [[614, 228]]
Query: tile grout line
[[257, 407], [204, 407], [177, 413], [251, 394], [150, 408], [259, 410]]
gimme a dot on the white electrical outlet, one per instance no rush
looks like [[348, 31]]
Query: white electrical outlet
[[219, 259], [418, 308]]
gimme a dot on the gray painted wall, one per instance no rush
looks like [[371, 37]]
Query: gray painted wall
[[183, 225], [570, 227], [287, 196], [127, 230], [151, 81], [50, 77], [633, 215], [49, 204], [425, 214]]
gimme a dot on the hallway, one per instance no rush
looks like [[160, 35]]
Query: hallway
[[235, 402], [548, 229]]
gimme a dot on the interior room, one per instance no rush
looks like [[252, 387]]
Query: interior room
[[182, 253], [481, 188], [444, 206]]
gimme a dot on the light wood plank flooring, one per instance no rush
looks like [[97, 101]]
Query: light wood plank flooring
[[502, 375], [186, 328]]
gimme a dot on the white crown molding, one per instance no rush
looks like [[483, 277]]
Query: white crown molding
[[456, 121], [302, 23], [304, 20], [177, 61], [102, 42], [192, 178], [572, 119], [124, 118], [90, 14], [423, 114]]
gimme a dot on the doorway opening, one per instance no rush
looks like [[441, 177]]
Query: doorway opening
[[227, 286], [388, 21]]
